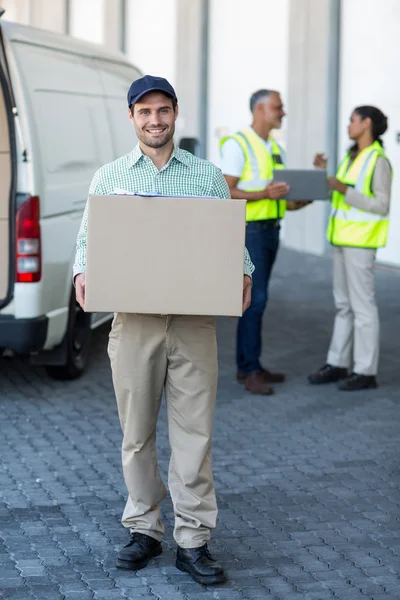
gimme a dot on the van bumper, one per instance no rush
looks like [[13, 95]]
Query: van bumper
[[23, 336]]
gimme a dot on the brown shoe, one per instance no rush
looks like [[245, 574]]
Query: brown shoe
[[269, 376], [256, 384], [272, 377]]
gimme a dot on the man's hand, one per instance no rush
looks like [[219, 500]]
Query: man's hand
[[338, 186], [247, 284], [80, 289], [292, 205], [276, 191], [320, 161]]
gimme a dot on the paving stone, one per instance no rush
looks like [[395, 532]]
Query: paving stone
[[10, 582], [222, 594], [166, 592], [277, 584], [352, 594], [15, 594], [128, 581], [8, 573], [36, 580], [385, 596], [63, 574], [257, 594], [73, 586], [307, 484], [46, 592], [100, 584], [295, 573], [321, 595], [293, 596], [78, 596], [53, 561], [109, 595]]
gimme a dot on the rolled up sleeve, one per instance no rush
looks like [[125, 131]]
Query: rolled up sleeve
[[80, 254]]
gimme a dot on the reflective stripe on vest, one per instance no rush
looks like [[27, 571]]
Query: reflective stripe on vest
[[351, 226], [257, 173]]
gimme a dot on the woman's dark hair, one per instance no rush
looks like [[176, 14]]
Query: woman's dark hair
[[378, 119]]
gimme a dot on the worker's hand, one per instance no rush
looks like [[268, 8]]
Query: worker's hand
[[80, 289], [247, 285], [277, 190], [296, 205], [320, 161], [338, 186]]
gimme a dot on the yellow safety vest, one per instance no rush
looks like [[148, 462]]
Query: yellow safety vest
[[257, 172], [350, 226]]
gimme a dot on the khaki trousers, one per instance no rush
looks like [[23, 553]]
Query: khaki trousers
[[150, 354], [355, 336]]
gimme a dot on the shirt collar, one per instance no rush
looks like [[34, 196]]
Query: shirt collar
[[268, 141], [177, 154]]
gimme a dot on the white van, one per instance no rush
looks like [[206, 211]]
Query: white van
[[63, 114]]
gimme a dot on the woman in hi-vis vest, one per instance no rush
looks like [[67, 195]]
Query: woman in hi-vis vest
[[358, 225]]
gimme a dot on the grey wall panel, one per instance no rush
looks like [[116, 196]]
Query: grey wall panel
[[312, 109]]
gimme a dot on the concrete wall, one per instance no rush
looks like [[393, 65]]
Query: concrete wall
[[247, 51], [163, 38], [86, 20], [368, 54], [114, 24], [98, 21], [287, 45], [309, 102], [188, 67], [151, 30], [168, 43], [17, 10], [370, 51], [49, 15]]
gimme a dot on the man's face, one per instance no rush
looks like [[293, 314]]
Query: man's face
[[154, 119], [271, 110]]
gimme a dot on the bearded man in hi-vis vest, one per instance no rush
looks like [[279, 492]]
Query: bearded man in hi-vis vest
[[248, 159]]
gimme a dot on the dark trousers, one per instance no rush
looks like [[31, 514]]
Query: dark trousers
[[262, 242]]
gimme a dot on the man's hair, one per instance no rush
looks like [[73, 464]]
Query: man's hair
[[173, 100], [259, 96]]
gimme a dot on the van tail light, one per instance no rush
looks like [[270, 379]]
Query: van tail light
[[29, 258]]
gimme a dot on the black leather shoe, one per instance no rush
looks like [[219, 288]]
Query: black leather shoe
[[358, 382], [327, 374], [199, 563], [138, 551]]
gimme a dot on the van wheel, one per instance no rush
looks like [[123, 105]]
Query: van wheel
[[77, 344]]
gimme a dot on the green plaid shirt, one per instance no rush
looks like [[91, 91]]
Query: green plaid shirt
[[184, 175]]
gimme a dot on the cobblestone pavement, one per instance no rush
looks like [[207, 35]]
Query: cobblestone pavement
[[307, 480]]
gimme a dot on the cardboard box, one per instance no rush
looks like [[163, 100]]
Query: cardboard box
[[162, 255]]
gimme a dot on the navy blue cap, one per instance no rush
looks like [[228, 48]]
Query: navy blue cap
[[147, 84]]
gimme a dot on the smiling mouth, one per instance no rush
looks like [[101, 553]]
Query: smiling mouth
[[155, 131]]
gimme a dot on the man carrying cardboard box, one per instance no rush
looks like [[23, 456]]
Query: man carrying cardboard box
[[150, 353]]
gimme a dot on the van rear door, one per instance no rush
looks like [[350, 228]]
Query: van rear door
[[7, 183]]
